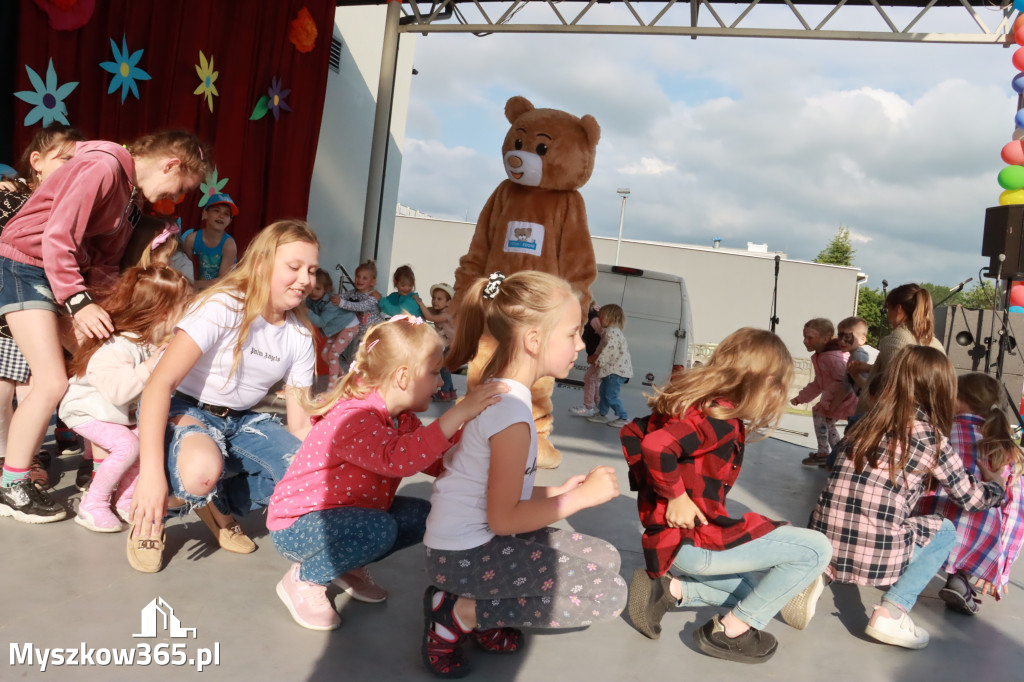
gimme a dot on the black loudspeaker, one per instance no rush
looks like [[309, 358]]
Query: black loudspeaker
[[965, 335], [1004, 226]]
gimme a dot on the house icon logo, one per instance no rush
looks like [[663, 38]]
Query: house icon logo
[[158, 617]]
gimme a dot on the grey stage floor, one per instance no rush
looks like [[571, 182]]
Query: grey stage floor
[[67, 588]]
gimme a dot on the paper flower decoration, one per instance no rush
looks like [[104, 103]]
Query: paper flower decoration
[[67, 15], [48, 98], [207, 78], [273, 102], [303, 31], [211, 186], [124, 69]]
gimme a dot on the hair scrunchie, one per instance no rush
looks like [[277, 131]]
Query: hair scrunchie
[[493, 285]]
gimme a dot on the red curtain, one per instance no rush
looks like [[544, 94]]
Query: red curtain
[[269, 163]]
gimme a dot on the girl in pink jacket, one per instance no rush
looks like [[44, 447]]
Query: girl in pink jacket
[[837, 402], [68, 237]]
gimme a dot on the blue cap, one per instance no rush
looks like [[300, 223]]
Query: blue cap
[[222, 199]]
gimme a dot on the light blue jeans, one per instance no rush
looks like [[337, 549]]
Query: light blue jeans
[[923, 566], [792, 556], [609, 396]]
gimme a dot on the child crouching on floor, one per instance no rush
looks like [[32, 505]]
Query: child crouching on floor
[[335, 510], [683, 460]]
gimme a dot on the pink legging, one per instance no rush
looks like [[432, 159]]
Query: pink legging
[[591, 387], [333, 349], [120, 469]]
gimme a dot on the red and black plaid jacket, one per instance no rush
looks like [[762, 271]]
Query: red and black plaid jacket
[[700, 456]]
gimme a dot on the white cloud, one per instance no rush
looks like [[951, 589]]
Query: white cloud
[[647, 166]]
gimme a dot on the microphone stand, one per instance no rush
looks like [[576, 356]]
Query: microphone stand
[[954, 291], [774, 320]]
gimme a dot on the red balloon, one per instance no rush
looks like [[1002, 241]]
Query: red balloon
[[1018, 35], [1018, 58], [1013, 153], [1017, 294], [1017, 23]]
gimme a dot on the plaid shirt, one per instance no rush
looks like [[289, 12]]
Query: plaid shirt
[[696, 455], [871, 522], [987, 542]]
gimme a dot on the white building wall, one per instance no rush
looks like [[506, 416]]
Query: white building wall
[[337, 197], [728, 289]]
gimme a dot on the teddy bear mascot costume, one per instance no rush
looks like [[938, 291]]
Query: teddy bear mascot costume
[[536, 220]]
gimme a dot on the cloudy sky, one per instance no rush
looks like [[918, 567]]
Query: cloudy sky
[[777, 141]]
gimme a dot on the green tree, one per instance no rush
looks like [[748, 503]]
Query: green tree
[[839, 251], [869, 306], [980, 297], [940, 292]]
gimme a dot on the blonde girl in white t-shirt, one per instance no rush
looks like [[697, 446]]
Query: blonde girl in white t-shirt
[[492, 560], [241, 336]]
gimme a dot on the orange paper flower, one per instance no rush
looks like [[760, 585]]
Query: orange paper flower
[[303, 31]]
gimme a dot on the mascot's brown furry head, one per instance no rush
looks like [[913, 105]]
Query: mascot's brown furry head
[[548, 148]]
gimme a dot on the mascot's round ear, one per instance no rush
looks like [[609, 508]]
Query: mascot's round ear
[[591, 128], [516, 107]]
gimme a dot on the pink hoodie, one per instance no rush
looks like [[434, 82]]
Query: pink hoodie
[[76, 225], [829, 370]]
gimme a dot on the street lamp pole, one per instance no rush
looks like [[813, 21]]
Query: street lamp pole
[[624, 191]]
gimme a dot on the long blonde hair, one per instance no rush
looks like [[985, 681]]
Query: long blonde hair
[[249, 283], [918, 377], [386, 346], [751, 368], [986, 397], [523, 300]]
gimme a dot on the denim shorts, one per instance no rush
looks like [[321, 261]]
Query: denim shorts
[[257, 449], [24, 287]]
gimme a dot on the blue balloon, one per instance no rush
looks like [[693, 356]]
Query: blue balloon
[[1018, 83], [1016, 308], [1018, 5], [1019, 118]]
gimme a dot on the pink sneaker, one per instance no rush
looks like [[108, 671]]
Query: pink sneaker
[[359, 585], [95, 514], [307, 602]]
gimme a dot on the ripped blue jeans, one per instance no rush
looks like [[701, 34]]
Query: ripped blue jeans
[[257, 449]]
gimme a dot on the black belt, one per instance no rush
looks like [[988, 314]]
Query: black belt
[[215, 410]]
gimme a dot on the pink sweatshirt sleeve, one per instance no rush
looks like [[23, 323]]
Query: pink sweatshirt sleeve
[[113, 373], [98, 180]]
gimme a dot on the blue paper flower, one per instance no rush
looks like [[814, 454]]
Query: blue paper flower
[[124, 69], [48, 99]]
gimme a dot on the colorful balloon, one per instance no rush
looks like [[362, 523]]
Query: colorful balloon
[[1011, 197], [1013, 153], [1018, 5], [1012, 177], [1017, 293], [1018, 119], [1017, 309], [1018, 83], [1018, 35], [1018, 54]]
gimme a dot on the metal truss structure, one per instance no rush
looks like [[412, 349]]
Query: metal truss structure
[[901, 21]]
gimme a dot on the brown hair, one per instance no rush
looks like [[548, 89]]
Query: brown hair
[[403, 272], [141, 300], [385, 347], [195, 155], [612, 315], [852, 323], [986, 397], [44, 141], [822, 326], [751, 368], [919, 377], [369, 265], [524, 299], [917, 306], [323, 278], [249, 282]]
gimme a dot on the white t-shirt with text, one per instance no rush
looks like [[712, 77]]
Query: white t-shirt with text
[[458, 512], [270, 354]]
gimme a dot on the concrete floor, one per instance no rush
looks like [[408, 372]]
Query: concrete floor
[[68, 588]]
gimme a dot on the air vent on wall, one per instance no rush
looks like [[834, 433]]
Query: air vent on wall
[[335, 58]]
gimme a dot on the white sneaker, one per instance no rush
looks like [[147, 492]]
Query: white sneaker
[[617, 422], [583, 411], [900, 631], [599, 419], [800, 609]]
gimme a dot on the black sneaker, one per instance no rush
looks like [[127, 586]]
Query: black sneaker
[[753, 646], [648, 602], [28, 504], [68, 442], [84, 475]]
